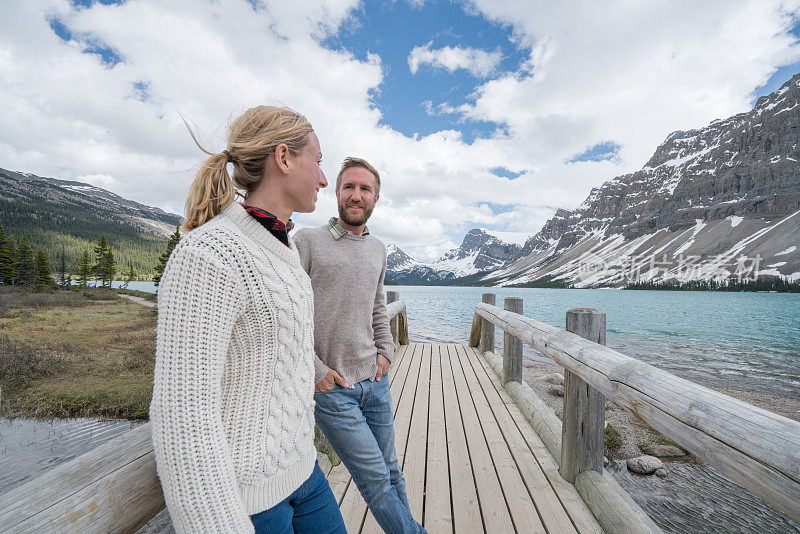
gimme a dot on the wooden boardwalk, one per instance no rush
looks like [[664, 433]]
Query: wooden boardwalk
[[472, 462]]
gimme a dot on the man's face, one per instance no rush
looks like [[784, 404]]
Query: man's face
[[357, 196]]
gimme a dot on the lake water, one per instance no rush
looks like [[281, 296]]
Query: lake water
[[746, 340], [741, 340]]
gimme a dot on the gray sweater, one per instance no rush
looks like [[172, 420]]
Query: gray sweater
[[351, 326]]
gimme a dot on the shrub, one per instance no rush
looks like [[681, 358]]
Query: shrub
[[21, 364], [613, 440]]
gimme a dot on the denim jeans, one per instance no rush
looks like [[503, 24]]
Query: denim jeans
[[311, 509], [359, 424]]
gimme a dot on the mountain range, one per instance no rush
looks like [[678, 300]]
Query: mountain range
[[57, 213], [716, 202], [481, 251]]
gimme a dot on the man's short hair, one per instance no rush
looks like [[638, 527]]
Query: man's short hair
[[349, 163]]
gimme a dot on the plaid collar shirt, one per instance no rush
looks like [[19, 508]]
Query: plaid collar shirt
[[337, 231], [274, 225]]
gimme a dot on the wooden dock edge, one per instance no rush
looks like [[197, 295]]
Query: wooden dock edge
[[112, 488], [611, 505]]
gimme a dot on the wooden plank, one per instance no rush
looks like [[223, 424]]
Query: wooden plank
[[339, 479], [353, 508], [464, 496], [520, 503], [416, 448], [620, 507], [757, 449], [89, 492], [494, 510], [567, 495], [551, 510], [437, 480]]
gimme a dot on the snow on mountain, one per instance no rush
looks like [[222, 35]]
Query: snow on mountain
[[479, 252], [714, 202]]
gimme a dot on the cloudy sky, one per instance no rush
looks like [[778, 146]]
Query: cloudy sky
[[487, 113]]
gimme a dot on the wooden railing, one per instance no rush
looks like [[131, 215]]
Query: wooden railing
[[757, 449], [398, 321], [113, 488]]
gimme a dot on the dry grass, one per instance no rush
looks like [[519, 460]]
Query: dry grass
[[77, 354]]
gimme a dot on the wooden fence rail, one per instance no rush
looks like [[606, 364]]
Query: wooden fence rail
[[755, 448]]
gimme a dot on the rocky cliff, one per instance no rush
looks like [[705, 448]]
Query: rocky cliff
[[711, 202]]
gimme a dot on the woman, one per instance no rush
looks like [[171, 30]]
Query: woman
[[233, 409]]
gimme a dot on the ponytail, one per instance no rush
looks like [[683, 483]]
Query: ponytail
[[212, 191]]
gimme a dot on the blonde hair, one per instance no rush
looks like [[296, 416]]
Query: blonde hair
[[252, 138], [349, 163]]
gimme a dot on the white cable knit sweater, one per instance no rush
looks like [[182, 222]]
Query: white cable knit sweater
[[233, 410]]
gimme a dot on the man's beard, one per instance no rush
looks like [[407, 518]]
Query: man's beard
[[355, 221]]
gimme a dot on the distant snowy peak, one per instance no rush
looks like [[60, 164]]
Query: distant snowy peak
[[402, 268], [396, 258], [479, 251]]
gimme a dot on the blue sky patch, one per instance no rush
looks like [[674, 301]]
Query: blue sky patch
[[60, 29], [106, 53], [92, 45], [90, 3], [413, 103], [502, 172], [141, 91], [497, 209], [607, 150]]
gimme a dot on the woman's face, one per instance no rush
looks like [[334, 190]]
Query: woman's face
[[307, 178]]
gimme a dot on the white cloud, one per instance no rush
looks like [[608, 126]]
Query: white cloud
[[479, 63], [630, 78]]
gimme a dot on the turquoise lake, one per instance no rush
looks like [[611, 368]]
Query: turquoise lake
[[741, 340]]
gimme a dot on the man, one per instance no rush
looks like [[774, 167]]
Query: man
[[354, 345]]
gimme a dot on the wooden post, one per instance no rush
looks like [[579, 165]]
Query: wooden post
[[512, 347], [583, 424], [486, 343], [402, 328], [392, 296], [475, 331]]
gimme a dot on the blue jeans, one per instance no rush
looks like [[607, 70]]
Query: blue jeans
[[310, 509], [359, 425]]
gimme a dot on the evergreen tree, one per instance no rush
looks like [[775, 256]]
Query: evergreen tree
[[104, 267], [100, 250], [129, 277], [109, 268], [24, 264], [5, 263], [8, 254], [62, 268], [84, 271], [44, 276], [162, 261]]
